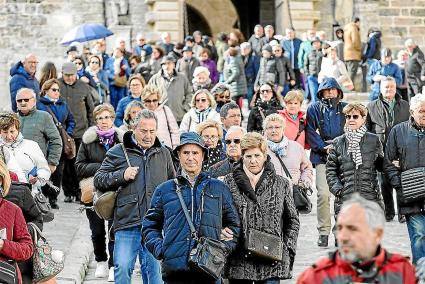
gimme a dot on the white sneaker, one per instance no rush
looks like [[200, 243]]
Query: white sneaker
[[101, 269], [111, 277]]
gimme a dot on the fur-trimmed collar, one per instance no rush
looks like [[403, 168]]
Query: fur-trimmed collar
[[90, 135]]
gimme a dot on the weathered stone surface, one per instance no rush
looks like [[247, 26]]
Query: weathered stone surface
[[389, 12]]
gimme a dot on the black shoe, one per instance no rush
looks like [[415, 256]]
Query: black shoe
[[54, 205], [401, 218], [336, 243], [389, 218], [323, 241], [77, 199], [68, 199]]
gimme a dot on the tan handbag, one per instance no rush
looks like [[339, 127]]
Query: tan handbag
[[120, 81], [87, 190], [104, 203]]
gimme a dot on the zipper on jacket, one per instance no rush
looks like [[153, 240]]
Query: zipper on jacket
[[202, 202], [191, 190]]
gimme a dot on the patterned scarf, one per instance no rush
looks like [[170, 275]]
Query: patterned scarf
[[354, 137], [15, 144], [203, 114], [280, 148], [106, 137]]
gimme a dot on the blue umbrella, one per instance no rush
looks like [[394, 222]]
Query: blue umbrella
[[85, 33]]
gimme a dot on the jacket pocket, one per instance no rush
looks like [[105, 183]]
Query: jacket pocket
[[211, 208], [127, 210]]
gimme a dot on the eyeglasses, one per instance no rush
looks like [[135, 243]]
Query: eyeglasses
[[236, 141], [78, 63], [274, 127], [200, 100], [265, 91], [54, 90], [150, 101], [33, 62], [210, 138], [23, 100], [94, 62], [104, 117], [354, 116]]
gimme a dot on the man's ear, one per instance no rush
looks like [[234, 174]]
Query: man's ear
[[379, 233]]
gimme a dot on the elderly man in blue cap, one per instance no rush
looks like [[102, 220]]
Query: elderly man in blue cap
[[166, 231]]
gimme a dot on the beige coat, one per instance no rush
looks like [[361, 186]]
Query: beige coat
[[352, 43]]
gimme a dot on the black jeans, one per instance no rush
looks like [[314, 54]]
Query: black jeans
[[56, 179], [190, 277], [267, 281], [98, 237], [70, 184]]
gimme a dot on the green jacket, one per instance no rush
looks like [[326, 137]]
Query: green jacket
[[38, 126], [305, 49]]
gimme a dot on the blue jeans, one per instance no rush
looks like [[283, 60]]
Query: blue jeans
[[312, 86], [128, 244], [116, 94], [416, 228]]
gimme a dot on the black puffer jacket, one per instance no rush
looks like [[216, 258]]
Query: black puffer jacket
[[261, 111], [379, 119], [313, 63], [415, 65], [406, 143], [269, 208], [134, 197], [343, 177]]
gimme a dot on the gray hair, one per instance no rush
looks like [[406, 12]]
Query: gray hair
[[26, 90], [245, 45], [374, 213], [234, 128], [128, 108], [417, 101], [274, 117], [409, 42], [388, 79], [224, 111], [144, 114]]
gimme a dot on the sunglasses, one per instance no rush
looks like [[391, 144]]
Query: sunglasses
[[236, 141], [23, 100], [94, 62], [201, 100], [265, 91], [78, 63], [54, 90], [354, 116], [150, 101], [224, 97]]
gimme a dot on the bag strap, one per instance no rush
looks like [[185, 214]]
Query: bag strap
[[168, 125], [125, 154], [261, 113], [300, 129], [186, 213], [53, 116], [37, 232], [283, 166]]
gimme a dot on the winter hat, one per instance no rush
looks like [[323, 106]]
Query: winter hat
[[190, 138], [69, 68], [268, 48], [220, 88], [200, 69]]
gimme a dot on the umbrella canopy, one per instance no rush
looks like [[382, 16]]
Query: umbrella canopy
[[85, 33]]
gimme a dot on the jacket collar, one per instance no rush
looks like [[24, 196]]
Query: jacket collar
[[90, 135], [184, 181], [29, 113]]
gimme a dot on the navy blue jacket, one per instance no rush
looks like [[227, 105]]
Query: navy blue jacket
[[289, 52], [21, 79], [324, 122], [61, 111], [251, 68], [166, 232], [378, 68], [122, 105]]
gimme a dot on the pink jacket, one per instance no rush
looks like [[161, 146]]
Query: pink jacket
[[168, 130], [293, 126]]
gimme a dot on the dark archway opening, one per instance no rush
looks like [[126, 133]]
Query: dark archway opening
[[197, 22]]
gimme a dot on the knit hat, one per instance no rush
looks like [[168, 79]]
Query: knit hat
[[268, 48]]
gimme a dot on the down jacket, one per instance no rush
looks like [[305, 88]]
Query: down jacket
[[342, 176], [269, 208], [395, 269], [270, 71], [406, 143], [166, 232], [21, 79], [234, 75], [325, 121], [155, 167], [168, 130], [261, 111], [190, 120]]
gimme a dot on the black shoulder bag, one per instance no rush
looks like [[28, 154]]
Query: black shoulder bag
[[301, 195], [208, 255]]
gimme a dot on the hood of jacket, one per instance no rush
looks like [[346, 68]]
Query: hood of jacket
[[18, 68], [329, 83], [90, 135]]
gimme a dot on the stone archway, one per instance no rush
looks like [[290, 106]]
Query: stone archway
[[221, 15]]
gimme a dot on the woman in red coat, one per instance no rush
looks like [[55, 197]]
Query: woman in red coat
[[15, 240]]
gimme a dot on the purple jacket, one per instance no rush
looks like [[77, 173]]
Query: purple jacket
[[212, 67]]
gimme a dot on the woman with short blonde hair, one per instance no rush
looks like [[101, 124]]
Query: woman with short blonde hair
[[294, 117]]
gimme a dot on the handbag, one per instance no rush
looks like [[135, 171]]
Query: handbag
[[8, 272], [104, 203], [87, 190], [47, 263], [300, 194], [209, 255], [44, 206], [264, 246], [120, 81], [413, 184], [69, 148]]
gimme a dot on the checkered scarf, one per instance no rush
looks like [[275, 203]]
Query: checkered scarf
[[354, 137]]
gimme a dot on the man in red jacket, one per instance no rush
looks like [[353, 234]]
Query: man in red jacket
[[360, 258]]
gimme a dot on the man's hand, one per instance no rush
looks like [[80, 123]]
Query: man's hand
[[32, 180], [328, 148], [131, 173], [292, 82], [226, 234], [52, 168]]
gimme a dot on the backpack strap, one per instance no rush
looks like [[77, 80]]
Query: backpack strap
[[301, 128]]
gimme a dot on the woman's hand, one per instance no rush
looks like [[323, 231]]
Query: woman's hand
[[226, 234]]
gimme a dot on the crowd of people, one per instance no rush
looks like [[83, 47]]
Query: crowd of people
[[161, 125]]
